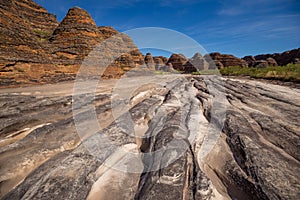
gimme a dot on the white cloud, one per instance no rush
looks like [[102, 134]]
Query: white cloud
[[235, 7]]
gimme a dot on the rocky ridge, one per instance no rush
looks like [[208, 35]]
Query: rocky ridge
[[256, 155], [283, 58], [35, 48], [75, 37], [178, 61], [218, 60]]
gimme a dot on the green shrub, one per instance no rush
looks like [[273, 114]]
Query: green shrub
[[290, 72], [43, 35]]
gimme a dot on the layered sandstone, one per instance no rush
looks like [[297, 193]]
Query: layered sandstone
[[35, 48], [25, 28], [178, 61], [196, 63], [226, 60], [75, 37], [149, 61], [281, 58], [275, 59]]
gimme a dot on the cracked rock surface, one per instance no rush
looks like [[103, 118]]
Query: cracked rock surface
[[156, 137]]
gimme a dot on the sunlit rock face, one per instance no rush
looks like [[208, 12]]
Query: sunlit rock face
[[214, 145], [178, 61], [35, 48], [227, 60], [167, 136]]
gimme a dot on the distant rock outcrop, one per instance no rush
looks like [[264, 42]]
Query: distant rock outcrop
[[261, 64], [160, 62], [160, 59], [178, 61], [149, 61], [167, 68], [280, 59], [272, 62], [250, 60], [296, 60], [196, 63], [269, 62], [226, 60]]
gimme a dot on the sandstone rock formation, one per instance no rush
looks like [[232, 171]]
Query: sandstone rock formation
[[196, 63], [178, 61], [283, 58], [160, 62], [280, 58], [149, 61], [160, 59], [25, 29], [75, 37], [261, 64], [35, 48], [272, 62], [107, 31], [250, 60], [173, 137], [226, 60]]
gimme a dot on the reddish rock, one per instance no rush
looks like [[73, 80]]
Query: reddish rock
[[75, 37], [196, 63], [160, 59], [269, 62], [281, 58], [178, 61], [211, 64], [219, 64], [227, 60], [149, 61], [160, 62], [24, 30], [107, 31], [250, 60], [131, 57], [34, 48], [137, 56], [125, 60]]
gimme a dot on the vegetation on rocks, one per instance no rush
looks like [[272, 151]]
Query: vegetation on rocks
[[42, 34], [290, 72]]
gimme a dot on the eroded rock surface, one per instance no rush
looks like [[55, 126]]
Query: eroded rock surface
[[227, 60], [36, 49], [178, 61], [189, 137], [275, 59]]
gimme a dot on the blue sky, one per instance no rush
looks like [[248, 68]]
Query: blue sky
[[239, 27]]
